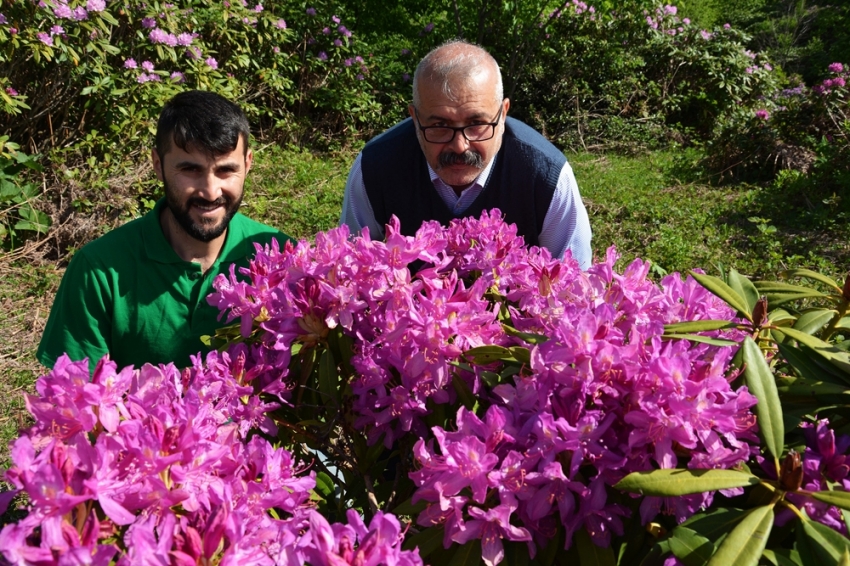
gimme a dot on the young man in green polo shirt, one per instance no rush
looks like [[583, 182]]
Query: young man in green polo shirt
[[139, 292]]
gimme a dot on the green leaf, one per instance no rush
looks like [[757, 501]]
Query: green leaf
[[725, 292], [745, 544], [813, 320], [697, 326], [427, 541], [325, 484], [525, 336], [809, 274], [782, 298], [691, 548], [592, 555], [328, 377], [516, 553], [810, 365], [838, 498], [761, 383], [744, 287], [782, 557], [701, 339], [777, 287], [483, 355], [819, 544], [836, 357], [684, 482], [463, 391], [715, 524], [408, 508], [468, 554]]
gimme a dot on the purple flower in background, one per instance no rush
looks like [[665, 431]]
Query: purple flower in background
[[142, 78], [835, 67], [670, 10], [686, 21], [358, 59], [838, 81], [280, 24], [185, 39], [706, 35], [258, 8], [276, 49], [360, 77], [405, 51], [13, 31], [193, 53], [311, 41], [130, 63], [2, 19], [57, 30], [147, 66], [326, 31], [427, 29], [63, 11], [11, 92], [148, 23], [211, 62], [727, 26], [80, 14], [96, 5], [178, 77], [338, 42], [45, 38], [311, 11], [335, 19], [323, 56], [348, 62], [405, 77], [762, 114], [344, 31], [767, 67]]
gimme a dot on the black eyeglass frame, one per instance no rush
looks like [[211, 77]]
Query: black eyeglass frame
[[461, 129]]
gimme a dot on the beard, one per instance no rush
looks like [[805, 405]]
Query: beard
[[207, 229], [468, 157]]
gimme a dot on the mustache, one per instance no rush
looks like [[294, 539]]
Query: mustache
[[468, 157], [220, 201]]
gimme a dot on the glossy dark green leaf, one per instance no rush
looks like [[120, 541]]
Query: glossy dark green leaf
[[811, 365], [819, 544], [487, 354], [782, 557], [427, 541], [725, 292], [838, 498], [745, 544], [809, 274], [516, 553], [467, 555], [328, 377], [690, 547], [324, 484], [409, 509], [525, 336], [744, 287], [845, 558], [813, 320], [765, 287], [463, 391], [780, 298], [683, 481], [520, 354], [713, 524], [701, 339], [592, 555], [836, 357], [697, 326], [761, 383]]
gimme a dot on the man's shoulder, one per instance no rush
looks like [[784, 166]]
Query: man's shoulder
[[526, 138]]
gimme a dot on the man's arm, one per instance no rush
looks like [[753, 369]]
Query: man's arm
[[80, 321], [356, 210], [566, 226]]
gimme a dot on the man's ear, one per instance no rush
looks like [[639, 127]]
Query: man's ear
[[249, 160], [507, 106], [412, 111], [156, 161]]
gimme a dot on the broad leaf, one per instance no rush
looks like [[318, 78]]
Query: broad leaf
[[813, 320], [811, 365], [768, 410], [701, 339], [697, 326], [745, 544], [408, 508], [463, 391], [324, 484], [780, 298], [713, 525], [483, 355], [836, 357], [592, 555], [809, 274], [684, 482], [838, 498], [426, 541], [744, 287], [691, 548], [819, 544], [328, 377], [467, 555], [782, 557], [725, 292]]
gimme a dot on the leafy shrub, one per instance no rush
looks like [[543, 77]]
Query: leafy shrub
[[18, 216]]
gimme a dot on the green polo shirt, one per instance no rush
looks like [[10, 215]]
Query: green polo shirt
[[128, 293]]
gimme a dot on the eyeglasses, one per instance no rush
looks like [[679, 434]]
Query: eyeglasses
[[473, 133]]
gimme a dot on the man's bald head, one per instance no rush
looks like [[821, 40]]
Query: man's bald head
[[454, 64]]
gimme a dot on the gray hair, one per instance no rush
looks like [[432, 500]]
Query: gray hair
[[452, 62]]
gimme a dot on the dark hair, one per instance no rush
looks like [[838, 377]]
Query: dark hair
[[204, 120]]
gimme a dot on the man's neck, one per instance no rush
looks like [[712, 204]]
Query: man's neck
[[187, 247]]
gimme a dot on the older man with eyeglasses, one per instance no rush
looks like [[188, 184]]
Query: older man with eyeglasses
[[460, 154]]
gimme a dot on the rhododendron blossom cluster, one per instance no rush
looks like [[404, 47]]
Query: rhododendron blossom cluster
[[155, 466], [585, 392]]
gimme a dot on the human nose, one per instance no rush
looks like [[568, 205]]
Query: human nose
[[209, 186], [459, 143]]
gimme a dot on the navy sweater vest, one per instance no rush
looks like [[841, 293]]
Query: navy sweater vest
[[521, 184]]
